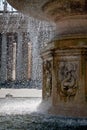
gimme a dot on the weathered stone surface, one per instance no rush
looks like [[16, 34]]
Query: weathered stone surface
[[67, 79]]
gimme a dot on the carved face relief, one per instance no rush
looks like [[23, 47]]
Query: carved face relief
[[68, 80]]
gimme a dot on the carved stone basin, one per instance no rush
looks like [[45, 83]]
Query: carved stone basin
[[50, 9], [70, 16]]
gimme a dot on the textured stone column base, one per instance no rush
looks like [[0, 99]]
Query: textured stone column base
[[65, 76]]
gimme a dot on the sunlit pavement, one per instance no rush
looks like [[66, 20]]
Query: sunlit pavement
[[21, 92]]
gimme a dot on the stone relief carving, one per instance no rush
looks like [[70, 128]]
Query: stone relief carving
[[48, 78], [68, 80]]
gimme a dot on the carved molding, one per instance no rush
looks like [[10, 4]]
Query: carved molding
[[47, 68]]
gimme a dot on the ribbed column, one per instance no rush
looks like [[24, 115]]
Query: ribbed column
[[19, 58], [4, 58]]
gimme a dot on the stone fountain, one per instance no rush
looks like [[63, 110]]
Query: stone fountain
[[65, 58]]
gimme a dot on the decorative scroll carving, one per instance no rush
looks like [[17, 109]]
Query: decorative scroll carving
[[67, 75], [48, 78]]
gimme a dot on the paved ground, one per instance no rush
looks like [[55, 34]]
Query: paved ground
[[21, 92]]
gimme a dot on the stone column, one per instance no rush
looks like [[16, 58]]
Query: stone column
[[19, 58], [36, 64], [14, 62], [0, 53], [10, 39], [25, 57], [29, 59], [4, 58]]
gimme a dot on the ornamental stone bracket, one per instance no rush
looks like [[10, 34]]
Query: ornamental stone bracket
[[64, 77], [47, 75]]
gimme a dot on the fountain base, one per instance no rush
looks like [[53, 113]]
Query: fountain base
[[64, 76]]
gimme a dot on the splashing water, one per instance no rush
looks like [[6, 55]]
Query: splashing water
[[19, 105], [22, 113]]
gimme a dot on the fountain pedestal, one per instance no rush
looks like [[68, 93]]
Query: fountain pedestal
[[64, 76]]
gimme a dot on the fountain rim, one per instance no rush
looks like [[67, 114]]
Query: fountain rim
[[42, 11]]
